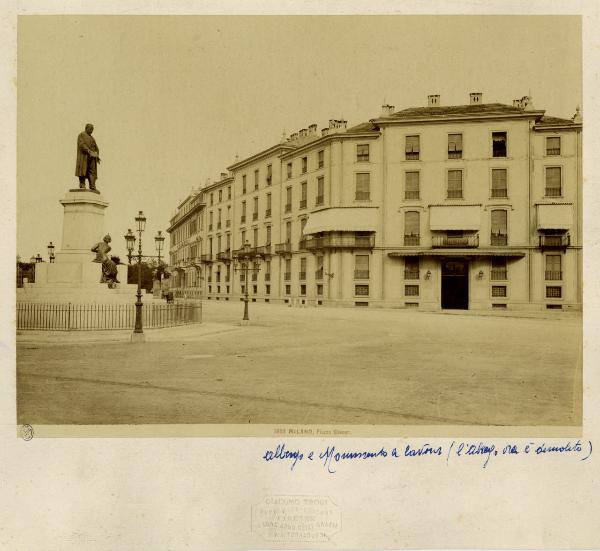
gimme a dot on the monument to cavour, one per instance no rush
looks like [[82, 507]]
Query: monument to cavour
[[83, 271]]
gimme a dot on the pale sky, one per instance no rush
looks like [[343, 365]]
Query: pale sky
[[174, 99]]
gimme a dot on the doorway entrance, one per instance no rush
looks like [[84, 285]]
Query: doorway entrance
[[455, 284]]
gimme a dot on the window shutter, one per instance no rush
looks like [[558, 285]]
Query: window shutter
[[411, 223], [553, 177], [498, 222], [412, 181]]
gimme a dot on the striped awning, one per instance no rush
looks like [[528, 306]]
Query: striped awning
[[342, 219], [515, 253]]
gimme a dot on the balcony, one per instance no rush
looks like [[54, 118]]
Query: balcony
[[302, 203], [319, 274], [362, 196], [301, 276], [210, 227], [450, 242], [243, 219], [320, 200], [411, 274], [288, 207], [287, 276], [224, 256], [264, 250], [411, 194], [338, 242], [555, 241], [206, 258], [268, 213], [498, 240], [553, 192], [553, 275], [255, 216], [361, 274], [283, 248], [412, 240]]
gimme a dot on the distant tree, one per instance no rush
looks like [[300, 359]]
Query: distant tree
[[147, 275]]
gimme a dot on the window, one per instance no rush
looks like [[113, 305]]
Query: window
[[243, 217], [499, 187], [303, 222], [228, 221], [499, 272], [319, 266], [498, 144], [268, 235], [303, 290], [220, 195], [212, 198], [289, 170], [363, 185], [288, 231], [411, 267], [320, 191], [302, 274], [362, 153], [321, 159], [228, 241], [288, 199], [288, 269], [219, 244], [303, 195], [553, 267], [412, 228], [554, 292], [267, 270], [455, 184], [267, 289], [269, 174], [304, 164], [268, 211], [411, 185], [243, 237], [255, 237], [288, 289], [499, 234], [553, 146], [498, 290], [553, 181], [210, 220], [454, 146], [243, 183], [320, 289], [361, 266], [255, 212], [228, 192], [411, 149], [411, 290], [361, 290], [255, 179]]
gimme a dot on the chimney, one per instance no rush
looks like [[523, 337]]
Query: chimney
[[476, 98], [387, 110], [294, 136], [343, 124], [303, 132], [527, 103], [312, 129], [223, 175], [433, 100], [517, 104], [331, 124], [324, 131]]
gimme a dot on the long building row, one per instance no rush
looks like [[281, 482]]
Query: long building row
[[474, 206]]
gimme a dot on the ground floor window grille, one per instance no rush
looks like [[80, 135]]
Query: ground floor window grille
[[411, 304], [499, 271], [411, 290], [554, 292], [361, 290], [498, 290], [411, 267]]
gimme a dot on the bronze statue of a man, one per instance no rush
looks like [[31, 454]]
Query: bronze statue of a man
[[87, 158], [109, 265]]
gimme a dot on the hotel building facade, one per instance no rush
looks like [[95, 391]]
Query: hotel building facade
[[475, 206]]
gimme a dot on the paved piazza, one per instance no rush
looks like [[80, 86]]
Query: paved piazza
[[310, 366]]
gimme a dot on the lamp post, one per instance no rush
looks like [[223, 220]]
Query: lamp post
[[51, 251], [245, 254], [159, 240], [130, 238], [39, 258]]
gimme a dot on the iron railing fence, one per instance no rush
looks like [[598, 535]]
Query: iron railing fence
[[97, 317]]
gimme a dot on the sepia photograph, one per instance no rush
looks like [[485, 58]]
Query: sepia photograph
[[299, 220]]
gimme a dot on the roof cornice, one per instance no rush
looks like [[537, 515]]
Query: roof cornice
[[331, 137], [259, 155], [457, 117]]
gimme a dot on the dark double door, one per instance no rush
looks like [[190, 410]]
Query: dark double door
[[455, 284]]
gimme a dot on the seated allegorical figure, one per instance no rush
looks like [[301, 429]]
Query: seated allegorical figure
[[109, 264]]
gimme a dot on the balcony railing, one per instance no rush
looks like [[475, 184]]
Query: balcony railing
[[255, 216], [455, 241], [320, 200], [412, 240], [268, 213], [264, 250], [224, 256], [287, 276], [283, 248], [500, 193], [302, 276], [338, 242], [411, 274], [361, 274], [254, 276], [411, 194], [455, 194], [498, 274], [206, 257], [319, 274], [498, 239], [553, 275], [553, 192], [555, 241], [362, 195], [302, 203], [288, 207]]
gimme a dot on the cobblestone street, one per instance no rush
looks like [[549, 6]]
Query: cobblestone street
[[310, 366]]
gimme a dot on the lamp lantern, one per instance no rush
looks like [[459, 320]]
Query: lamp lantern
[[140, 220]]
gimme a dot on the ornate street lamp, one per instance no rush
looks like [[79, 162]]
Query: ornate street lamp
[[159, 240], [32, 260], [51, 251], [140, 221], [39, 258], [130, 241], [245, 254]]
